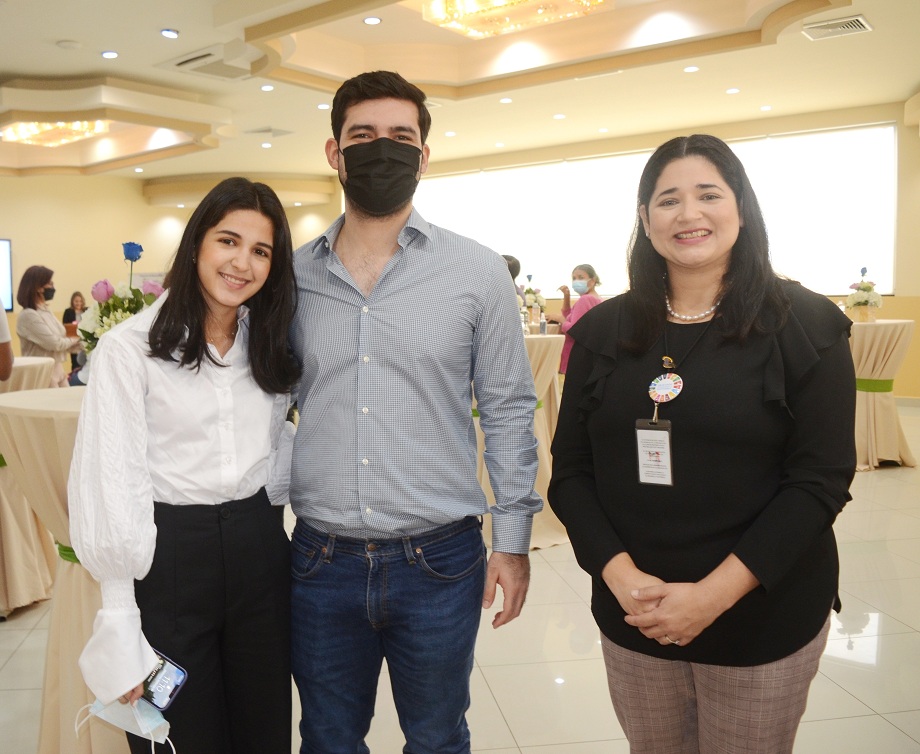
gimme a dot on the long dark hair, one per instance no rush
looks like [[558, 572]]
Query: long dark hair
[[751, 295], [270, 310], [32, 279]]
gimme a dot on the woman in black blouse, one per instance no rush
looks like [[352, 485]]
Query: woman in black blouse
[[704, 448]]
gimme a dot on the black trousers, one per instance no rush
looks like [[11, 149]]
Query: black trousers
[[217, 602]]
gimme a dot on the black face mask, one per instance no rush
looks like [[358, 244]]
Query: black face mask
[[48, 293], [382, 175]]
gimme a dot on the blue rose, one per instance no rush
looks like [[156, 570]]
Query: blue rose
[[132, 251]]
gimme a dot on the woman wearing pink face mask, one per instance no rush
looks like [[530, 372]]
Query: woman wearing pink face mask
[[584, 282]]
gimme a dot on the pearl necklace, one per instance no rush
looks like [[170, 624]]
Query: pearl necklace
[[690, 317]]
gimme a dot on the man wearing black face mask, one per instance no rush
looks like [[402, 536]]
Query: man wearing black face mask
[[396, 318]]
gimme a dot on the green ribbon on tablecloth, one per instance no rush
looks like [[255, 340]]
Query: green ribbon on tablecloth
[[67, 553], [2, 461], [476, 410], [874, 386]]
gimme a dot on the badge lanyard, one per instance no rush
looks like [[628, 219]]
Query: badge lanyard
[[653, 436]]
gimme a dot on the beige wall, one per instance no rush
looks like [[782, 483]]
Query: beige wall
[[76, 225]]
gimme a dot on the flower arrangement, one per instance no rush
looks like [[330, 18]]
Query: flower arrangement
[[533, 296], [114, 304], [864, 293]]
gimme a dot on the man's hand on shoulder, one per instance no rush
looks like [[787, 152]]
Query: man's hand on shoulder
[[512, 573]]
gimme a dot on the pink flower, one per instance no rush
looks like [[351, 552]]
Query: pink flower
[[151, 286], [103, 291]]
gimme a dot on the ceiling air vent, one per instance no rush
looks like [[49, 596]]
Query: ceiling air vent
[[222, 61], [839, 27]]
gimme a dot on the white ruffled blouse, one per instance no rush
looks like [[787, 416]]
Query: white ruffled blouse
[[151, 430]]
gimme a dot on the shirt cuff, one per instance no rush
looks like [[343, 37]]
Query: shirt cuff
[[118, 594], [511, 533], [117, 657]]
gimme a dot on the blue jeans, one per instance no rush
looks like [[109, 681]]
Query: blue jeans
[[415, 601]]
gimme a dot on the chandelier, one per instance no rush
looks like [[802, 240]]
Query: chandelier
[[52, 134], [488, 18]]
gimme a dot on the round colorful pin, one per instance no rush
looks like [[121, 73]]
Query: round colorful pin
[[665, 387]]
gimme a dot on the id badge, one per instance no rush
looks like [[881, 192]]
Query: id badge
[[653, 445]]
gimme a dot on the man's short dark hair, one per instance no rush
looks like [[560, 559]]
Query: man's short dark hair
[[514, 266], [378, 85]]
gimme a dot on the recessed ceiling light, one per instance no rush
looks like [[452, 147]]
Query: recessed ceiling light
[[499, 144], [181, 206], [505, 101], [603, 130], [691, 69], [766, 108], [267, 88], [298, 204], [266, 145], [138, 170], [170, 33], [372, 20], [450, 133], [733, 90], [323, 106], [110, 55], [559, 116]]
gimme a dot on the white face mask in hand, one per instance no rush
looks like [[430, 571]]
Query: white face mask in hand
[[141, 719]]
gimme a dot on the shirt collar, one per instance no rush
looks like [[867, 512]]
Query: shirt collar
[[415, 226]]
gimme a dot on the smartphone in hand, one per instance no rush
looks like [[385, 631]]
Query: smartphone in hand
[[162, 685]]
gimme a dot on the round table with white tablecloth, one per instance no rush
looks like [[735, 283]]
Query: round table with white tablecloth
[[878, 350], [37, 431], [27, 556]]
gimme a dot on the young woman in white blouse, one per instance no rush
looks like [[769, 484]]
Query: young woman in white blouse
[[181, 451], [40, 333]]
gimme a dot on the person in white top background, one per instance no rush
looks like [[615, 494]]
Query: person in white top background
[[40, 334], [181, 467]]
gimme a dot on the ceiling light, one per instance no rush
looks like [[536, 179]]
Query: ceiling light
[[266, 145], [766, 108], [110, 54], [450, 133], [170, 33], [267, 88], [558, 116], [603, 130], [499, 144], [505, 101], [487, 18], [372, 20], [691, 69], [53, 134], [733, 90], [138, 170], [323, 106], [180, 206], [298, 204]]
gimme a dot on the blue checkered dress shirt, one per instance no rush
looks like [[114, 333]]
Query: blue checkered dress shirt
[[386, 444]]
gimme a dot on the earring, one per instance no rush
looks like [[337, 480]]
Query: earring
[[195, 259]]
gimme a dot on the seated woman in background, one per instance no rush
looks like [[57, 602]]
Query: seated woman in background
[[40, 334], [73, 313], [584, 281]]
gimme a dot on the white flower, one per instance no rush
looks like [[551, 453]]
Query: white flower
[[122, 290]]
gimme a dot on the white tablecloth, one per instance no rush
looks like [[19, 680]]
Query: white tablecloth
[[37, 430], [878, 351]]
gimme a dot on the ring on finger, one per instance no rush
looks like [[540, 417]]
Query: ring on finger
[[672, 641]]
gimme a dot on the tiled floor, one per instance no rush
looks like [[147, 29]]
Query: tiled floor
[[539, 685]]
